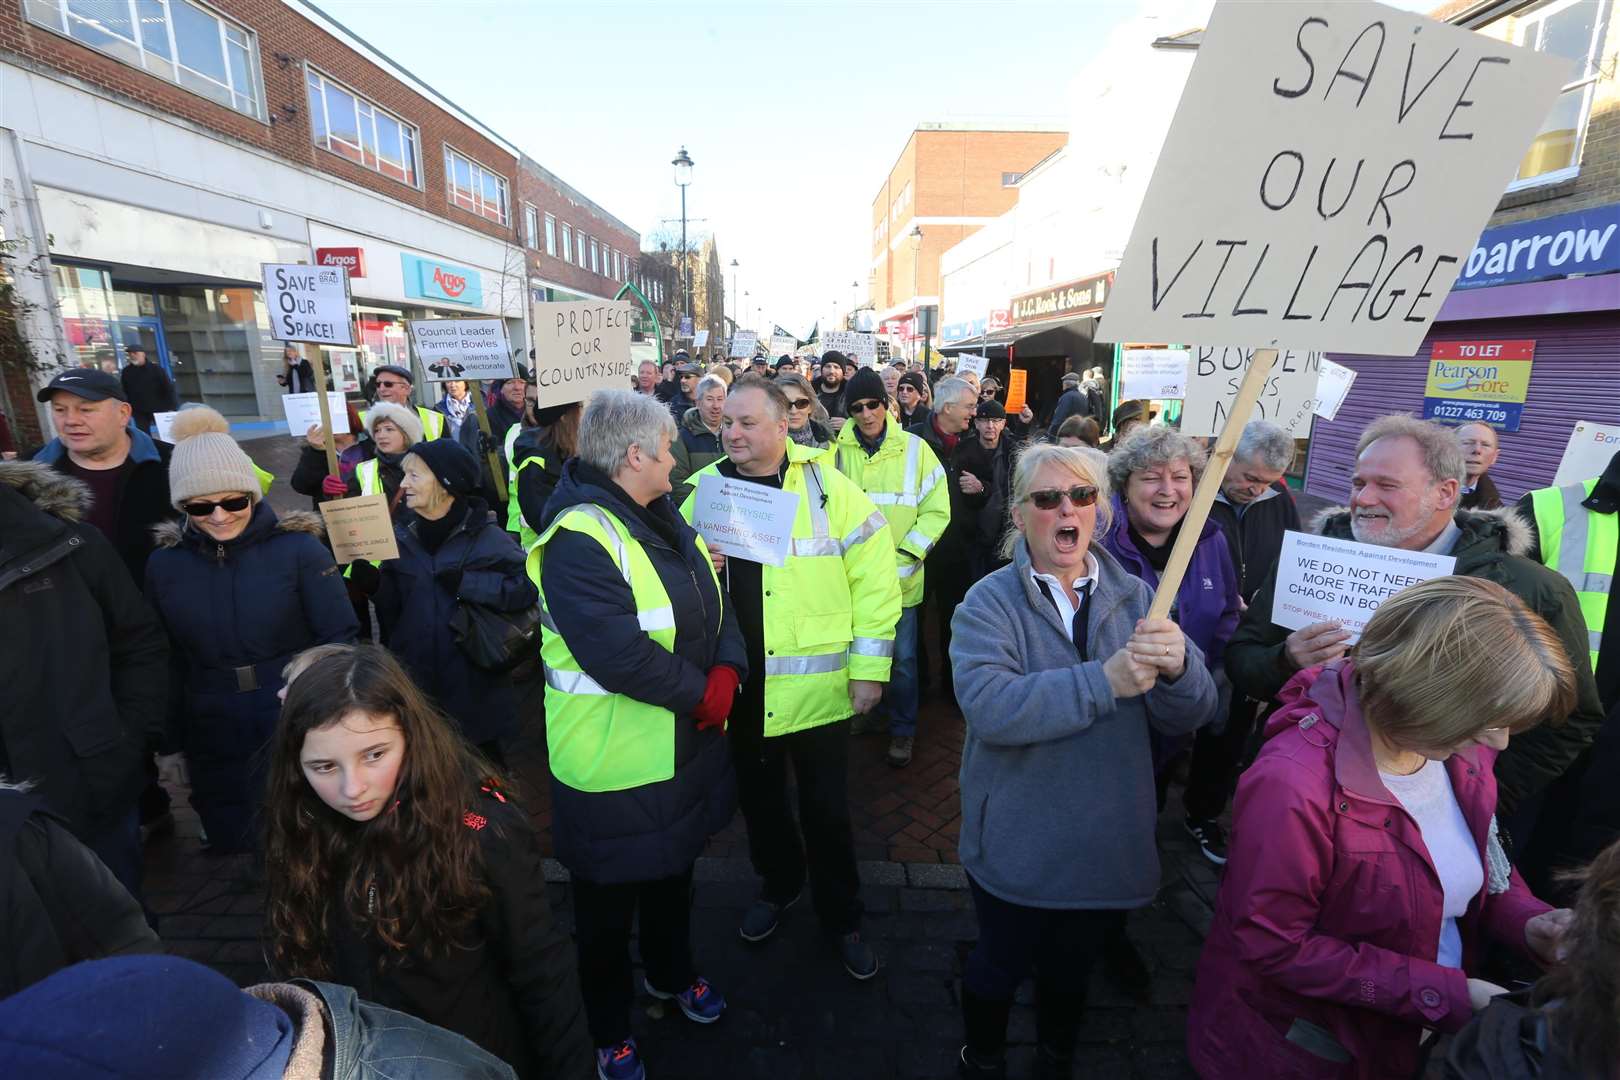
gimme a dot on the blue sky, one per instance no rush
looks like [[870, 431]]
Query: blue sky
[[793, 112]]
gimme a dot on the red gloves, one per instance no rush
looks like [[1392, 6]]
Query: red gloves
[[334, 486], [718, 695]]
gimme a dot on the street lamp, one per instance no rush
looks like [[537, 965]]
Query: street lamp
[[734, 311], [683, 178], [916, 237], [854, 294]]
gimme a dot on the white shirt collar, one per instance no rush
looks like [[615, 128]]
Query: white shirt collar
[[1051, 579]]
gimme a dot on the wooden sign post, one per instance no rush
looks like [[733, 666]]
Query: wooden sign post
[[310, 304], [318, 362]]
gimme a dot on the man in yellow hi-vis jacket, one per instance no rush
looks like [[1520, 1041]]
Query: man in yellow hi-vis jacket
[[820, 636]]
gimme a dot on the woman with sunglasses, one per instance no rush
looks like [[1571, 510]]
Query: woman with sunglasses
[[1060, 675], [240, 591], [806, 417]]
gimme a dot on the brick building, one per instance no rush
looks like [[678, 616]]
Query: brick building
[[949, 181], [151, 165], [576, 250]]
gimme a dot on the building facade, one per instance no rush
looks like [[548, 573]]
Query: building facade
[[575, 250]]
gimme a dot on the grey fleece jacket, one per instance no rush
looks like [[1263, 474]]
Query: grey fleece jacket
[[1058, 804]]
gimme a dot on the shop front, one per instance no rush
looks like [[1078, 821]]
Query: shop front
[[1528, 341]]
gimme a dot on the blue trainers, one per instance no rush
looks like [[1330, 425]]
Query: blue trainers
[[701, 1002], [620, 1062]]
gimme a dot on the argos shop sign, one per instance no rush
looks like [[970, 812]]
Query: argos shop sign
[[426, 279]]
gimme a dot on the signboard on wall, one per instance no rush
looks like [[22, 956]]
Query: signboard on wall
[[1478, 382], [1085, 296], [427, 279], [352, 259], [1582, 242]]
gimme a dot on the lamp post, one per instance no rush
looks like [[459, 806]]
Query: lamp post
[[734, 305], [683, 178], [916, 237], [854, 294]]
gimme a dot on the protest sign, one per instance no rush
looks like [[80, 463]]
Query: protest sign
[[163, 426], [966, 362], [783, 346], [1333, 384], [1017, 389], [1478, 382], [743, 343], [303, 410], [701, 340], [1153, 373], [743, 520], [1214, 376], [1591, 446], [1360, 151], [1320, 579], [308, 303], [861, 348], [462, 348], [580, 347], [360, 528]]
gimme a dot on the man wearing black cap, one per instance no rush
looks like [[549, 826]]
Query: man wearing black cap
[[147, 389], [686, 375], [126, 471], [760, 365], [786, 363], [986, 454], [830, 387], [909, 392], [393, 384]]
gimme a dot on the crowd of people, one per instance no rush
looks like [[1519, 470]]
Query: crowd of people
[[1399, 803]]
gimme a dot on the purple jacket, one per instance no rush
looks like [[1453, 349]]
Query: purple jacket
[[1206, 606], [1328, 921]]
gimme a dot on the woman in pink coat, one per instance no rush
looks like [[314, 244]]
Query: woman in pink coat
[[1365, 873]]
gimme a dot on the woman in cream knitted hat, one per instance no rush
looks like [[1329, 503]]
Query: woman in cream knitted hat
[[240, 591]]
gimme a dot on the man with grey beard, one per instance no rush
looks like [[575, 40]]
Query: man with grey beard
[[1403, 494]]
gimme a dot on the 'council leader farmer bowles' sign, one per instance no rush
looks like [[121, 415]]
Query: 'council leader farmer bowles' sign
[[580, 347], [1328, 170]]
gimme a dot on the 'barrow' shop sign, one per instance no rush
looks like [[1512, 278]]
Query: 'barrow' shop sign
[[1084, 297], [1583, 242]]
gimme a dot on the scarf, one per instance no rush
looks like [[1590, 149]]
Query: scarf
[[457, 411]]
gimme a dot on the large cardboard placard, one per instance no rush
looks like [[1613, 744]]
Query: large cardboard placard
[[1591, 446], [861, 348], [360, 528], [308, 303], [743, 520], [1327, 172], [743, 343], [580, 347], [782, 345], [1215, 374], [304, 411], [1320, 579], [1153, 373], [462, 348]]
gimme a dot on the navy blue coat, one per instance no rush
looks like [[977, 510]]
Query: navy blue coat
[[236, 613], [657, 830], [415, 606]]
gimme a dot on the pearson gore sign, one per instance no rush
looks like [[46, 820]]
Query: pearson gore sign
[[308, 303], [580, 347], [462, 348], [1478, 382], [1327, 173], [743, 520], [1320, 579]]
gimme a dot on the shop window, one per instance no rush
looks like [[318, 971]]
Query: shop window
[[551, 236], [213, 338], [474, 188], [531, 226], [177, 40], [1575, 30], [351, 127], [568, 242]]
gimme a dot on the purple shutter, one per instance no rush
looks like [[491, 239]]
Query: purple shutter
[[1576, 376]]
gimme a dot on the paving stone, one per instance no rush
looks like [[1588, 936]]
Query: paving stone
[[933, 900], [933, 876], [881, 872]]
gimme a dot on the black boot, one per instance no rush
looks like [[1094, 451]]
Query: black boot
[[984, 1022], [1058, 1013]]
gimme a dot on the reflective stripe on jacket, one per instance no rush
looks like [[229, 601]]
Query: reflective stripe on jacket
[[830, 611], [907, 483], [1581, 545]]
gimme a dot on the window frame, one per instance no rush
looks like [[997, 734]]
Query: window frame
[[579, 239], [567, 243], [1586, 83], [551, 235], [406, 128], [594, 268], [476, 187], [531, 226]]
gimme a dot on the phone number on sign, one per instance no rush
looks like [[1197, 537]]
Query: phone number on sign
[[1473, 412]]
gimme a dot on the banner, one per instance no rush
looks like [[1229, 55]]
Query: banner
[[861, 348], [744, 520], [462, 348], [1340, 581], [1332, 387], [360, 528], [1153, 373], [308, 303], [743, 343], [1213, 377], [580, 347], [1591, 447], [304, 411]]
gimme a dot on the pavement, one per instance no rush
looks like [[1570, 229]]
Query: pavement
[[793, 1011]]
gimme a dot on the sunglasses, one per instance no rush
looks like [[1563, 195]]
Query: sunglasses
[[1048, 499], [865, 406], [235, 504], [802, 403]]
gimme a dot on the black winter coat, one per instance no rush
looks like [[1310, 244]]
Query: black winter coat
[[657, 830], [1256, 536], [85, 666], [994, 468], [952, 550], [58, 903], [416, 595], [511, 986], [145, 499], [149, 391], [1510, 1040], [236, 612], [1492, 547], [539, 480]]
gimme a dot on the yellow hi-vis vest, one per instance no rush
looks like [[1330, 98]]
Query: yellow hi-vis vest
[[1582, 546], [830, 611], [432, 422], [598, 740], [515, 521], [365, 474], [266, 478], [905, 480]]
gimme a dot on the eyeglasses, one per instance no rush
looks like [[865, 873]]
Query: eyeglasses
[[1048, 499], [865, 406], [235, 504], [384, 384], [802, 403]]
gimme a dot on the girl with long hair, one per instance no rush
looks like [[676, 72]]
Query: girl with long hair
[[399, 865]]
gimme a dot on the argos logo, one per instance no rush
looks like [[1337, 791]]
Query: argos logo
[[427, 279], [452, 284]]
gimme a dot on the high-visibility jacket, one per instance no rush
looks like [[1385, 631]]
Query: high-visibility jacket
[[831, 609], [597, 740], [515, 521], [1581, 545], [365, 474], [432, 422], [266, 478], [906, 481]]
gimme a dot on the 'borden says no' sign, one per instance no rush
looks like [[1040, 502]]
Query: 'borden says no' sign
[[308, 303]]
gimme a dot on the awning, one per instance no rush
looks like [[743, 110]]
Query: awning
[[1056, 337]]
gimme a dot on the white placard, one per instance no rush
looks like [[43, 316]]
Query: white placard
[[1333, 384], [580, 347], [1591, 446], [861, 348], [1213, 378], [1328, 170], [163, 426], [971, 362], [743, 342], [781, 345], [745, 521], [304, 410], [308, 303], [701, 339], [462, 348], [1325, 580], [1153, 374]]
